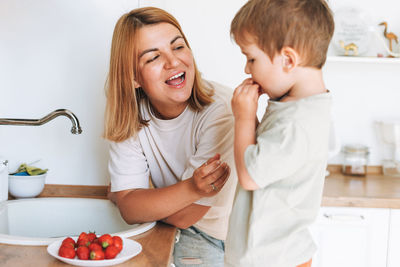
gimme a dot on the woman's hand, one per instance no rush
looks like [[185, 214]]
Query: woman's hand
[[209, 178], [245, 100]]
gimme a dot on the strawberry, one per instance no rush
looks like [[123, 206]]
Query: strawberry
[[97, 255], [84, 241], [111, 252], [66, 251], [69, 240], [106, 240], [82, 253], [118, 242], [82, 235], [95, 246], [92, 236]]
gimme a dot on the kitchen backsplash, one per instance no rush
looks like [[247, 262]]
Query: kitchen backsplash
[[55, 54]]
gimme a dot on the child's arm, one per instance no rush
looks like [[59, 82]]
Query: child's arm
[[244, 107]]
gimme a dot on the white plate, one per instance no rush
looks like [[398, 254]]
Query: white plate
[[130, 249]]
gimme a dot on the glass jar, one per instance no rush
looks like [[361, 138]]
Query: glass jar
[[355, 160]]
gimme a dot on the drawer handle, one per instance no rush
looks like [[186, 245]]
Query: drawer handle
[[344, 217]]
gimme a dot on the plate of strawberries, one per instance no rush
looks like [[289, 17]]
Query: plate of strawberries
[[91, 250]]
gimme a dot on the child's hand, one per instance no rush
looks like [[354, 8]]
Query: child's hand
[[245, 100], [209, 178]]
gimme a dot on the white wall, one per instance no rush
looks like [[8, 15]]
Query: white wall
[[54, 54], [363, 92]]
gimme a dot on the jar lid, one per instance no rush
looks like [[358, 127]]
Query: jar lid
[[356, 148]]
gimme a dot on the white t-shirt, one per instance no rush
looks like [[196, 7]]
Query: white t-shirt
[[170, 150], [269, 226]]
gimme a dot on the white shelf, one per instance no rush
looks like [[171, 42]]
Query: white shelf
[[356, 59]]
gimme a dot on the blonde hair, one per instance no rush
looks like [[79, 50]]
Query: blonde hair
[[122, 116], [305, 25]]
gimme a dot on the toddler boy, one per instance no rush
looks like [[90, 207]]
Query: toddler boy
[[281, 162]]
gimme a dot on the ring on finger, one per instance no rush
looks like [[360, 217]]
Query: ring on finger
[[214, 187]]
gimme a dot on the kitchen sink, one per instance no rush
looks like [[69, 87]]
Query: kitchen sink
[[40, 221]]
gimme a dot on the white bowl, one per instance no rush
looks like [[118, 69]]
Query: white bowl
[[26, 186]]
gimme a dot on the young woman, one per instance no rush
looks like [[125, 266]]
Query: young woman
[[168, 125]]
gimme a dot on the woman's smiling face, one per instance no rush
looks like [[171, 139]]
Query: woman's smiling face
[[166, 68]]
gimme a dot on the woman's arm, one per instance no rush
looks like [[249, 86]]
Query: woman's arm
[[169, 203], [188, 216]]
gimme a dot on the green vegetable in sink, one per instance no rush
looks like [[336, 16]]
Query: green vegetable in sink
[[29, 170]]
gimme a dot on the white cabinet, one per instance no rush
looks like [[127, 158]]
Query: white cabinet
[[393, 259], [351, 237]]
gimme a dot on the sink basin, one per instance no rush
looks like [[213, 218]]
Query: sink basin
[[41, 221]]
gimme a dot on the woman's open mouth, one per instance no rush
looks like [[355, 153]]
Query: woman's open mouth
[[176, 80]]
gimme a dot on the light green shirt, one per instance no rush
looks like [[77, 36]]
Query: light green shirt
[[269, 226]]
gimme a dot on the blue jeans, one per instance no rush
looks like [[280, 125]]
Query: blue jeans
[[195, 248]]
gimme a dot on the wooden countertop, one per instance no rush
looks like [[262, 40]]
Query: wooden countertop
[[372, 191], [375, 190], [157, 248]]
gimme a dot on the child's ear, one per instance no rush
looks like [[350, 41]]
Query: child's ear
[[290, 58]]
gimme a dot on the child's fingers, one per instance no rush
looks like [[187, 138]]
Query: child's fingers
[[238, 90], [247, 81], [241, 86], [250, 90]]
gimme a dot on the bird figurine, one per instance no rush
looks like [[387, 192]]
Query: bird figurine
[[389, 35]]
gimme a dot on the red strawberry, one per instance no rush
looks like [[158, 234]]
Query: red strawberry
[[66, 251], [69, 240], [82, 235], [69, 245], [92, 236], [97, 255], [106, 240], [118, 242], [95, 246], [111, 252], [82, 253], [84, 241]]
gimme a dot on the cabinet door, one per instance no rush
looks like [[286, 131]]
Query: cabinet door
[[351, 237], [394, 239]]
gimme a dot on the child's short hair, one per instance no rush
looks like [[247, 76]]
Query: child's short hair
[[304, 25]]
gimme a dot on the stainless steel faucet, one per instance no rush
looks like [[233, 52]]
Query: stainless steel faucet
[[76, 128]]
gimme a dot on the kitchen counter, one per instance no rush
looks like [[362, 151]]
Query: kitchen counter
[[372, 191], [157, 248], [375, 190]]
